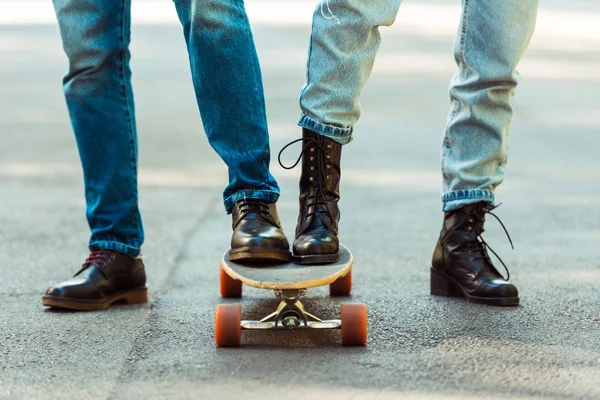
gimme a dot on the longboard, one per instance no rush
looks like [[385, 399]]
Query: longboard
[[289, 282]]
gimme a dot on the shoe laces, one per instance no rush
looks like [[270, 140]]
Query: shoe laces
[[97, 257], [477, 245], [247, 206], [318, 187]]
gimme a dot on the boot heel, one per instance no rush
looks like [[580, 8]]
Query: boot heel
[[138, 297], [441, 285]]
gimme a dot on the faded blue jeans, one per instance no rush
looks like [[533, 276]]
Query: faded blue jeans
[[228, 85], [491, 40]]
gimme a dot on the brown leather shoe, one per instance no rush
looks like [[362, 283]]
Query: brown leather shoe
[[105, 277]]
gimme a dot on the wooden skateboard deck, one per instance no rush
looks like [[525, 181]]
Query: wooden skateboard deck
[[289, 275]]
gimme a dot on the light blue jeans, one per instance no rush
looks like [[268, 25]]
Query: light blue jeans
[[228, 84], [491, 40]]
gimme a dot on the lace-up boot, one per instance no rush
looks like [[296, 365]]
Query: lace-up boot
[[317, 239], [461, 264]]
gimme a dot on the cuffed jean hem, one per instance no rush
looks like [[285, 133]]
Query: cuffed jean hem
[[126, 249], [459, 198], [266, 195], [335, 133]]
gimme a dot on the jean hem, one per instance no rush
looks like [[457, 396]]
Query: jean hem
[[267, 195], [458, 198], [128, 250], [335, 133]]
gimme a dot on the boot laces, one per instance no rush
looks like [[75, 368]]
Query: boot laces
[[258, 206], [96, 257], [253, 205], [318, 189], [477, 244]]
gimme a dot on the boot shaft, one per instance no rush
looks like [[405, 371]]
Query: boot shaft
[[320, 164], [319, 182]]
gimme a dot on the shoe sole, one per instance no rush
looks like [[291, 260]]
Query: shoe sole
[[446, 286], [316, 259], [136, 296], [259, 255]]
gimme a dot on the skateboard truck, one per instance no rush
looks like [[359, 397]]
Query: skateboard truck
[[290, 315]]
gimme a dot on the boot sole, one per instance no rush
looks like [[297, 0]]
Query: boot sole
[[136, 296], [259, 255], [316, 259], [446, 286]]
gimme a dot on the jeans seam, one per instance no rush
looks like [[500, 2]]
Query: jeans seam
[[463, 38], [446, 146], [310, 51], [251, 191], [133, 159], [115, 239], [114, 245], [310, 123], [467, 194], [256, 87], [457, 198], [270, 193]]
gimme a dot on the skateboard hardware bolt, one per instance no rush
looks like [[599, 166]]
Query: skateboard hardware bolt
[[291, 322]]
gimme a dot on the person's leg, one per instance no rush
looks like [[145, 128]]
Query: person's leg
[[99, 98], [228, 84], [491, 41], [343, 45]]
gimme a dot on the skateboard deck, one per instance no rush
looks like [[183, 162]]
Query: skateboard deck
[[289, 282], [289, 275]]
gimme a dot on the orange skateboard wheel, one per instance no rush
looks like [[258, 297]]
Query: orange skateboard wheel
[[354, 324], [341, 286], [228, 329], [230, 288]]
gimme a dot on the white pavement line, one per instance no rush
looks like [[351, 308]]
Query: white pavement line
[[423, 18]]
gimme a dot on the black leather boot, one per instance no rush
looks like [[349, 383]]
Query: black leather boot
[[257, 234], [105, 277], [461, 265], [316, 239]]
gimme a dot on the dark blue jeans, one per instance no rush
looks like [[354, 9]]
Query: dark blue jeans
[[228, 85]]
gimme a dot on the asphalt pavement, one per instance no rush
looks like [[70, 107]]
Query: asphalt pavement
[[420, 347]]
